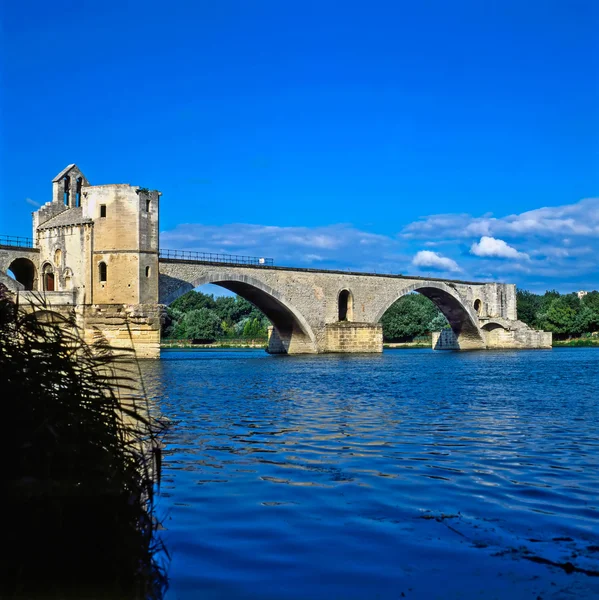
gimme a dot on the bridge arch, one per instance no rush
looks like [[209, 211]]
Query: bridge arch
[[24, 272], [291, 330], [461, 317]]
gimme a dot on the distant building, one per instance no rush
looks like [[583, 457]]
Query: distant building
[[581, 294]]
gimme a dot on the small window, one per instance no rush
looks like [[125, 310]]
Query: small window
[[148, 206], [57, 257], [102, 269], [102, 210], [147, 271], [478, 306]]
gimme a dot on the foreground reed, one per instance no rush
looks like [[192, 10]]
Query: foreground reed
[[81, 464]]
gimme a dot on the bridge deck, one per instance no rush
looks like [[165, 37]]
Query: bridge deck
[[307, 270]]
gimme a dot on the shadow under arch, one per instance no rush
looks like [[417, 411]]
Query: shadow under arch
[[24, 272], [461, 318], [493, 331], [492, 325], [291, 334]]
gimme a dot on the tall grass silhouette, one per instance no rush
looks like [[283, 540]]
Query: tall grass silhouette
[[81, 464]]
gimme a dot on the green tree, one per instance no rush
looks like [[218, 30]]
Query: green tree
[[200, 324], [528, 307], [194, 300], [562, 315], [254, 328], [591, 309], [409, 317]]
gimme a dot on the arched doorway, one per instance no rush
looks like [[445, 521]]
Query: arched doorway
[[291, 333], [345, 304], [23, 271], [48, 278]]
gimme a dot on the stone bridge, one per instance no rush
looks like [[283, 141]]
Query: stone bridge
[[23, 261], [95, 256], [315, 311]]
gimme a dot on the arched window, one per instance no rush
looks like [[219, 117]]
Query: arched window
[[102, 270], [345, 306], [57, 256], [478, 306], [67, 190], [48, 277], [147, 271], [78, 196]]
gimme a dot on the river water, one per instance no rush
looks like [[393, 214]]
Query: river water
[[413, 474]]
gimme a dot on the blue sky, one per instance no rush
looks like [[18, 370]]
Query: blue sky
[[460, 139]]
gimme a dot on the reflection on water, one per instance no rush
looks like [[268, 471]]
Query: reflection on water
[[409, 474]]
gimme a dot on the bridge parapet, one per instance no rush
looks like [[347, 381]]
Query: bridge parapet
[[15, 241], [214, 257], [52, 299]]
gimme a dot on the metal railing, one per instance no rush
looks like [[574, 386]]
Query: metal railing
[[15, 240], [232, 259]]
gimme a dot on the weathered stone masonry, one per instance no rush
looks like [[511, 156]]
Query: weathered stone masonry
[[96, 257], [304, 305]]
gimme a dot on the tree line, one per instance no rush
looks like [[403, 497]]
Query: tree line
[[200, 316], [565, 315]]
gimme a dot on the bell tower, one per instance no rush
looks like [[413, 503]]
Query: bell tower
[[67, 187]]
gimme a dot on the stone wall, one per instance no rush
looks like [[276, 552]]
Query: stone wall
[[520, 338], [65, 249], [126, 241], [444, 340], [135, 327], [284, 341], [354, 337]]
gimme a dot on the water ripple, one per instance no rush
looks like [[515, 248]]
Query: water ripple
[[412, 474]]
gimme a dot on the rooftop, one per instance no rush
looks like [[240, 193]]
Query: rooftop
[[70, 216]]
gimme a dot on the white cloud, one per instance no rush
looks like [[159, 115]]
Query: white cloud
[[493, 247], [555, 246], [330, 246], [433, 260], [578, 219]]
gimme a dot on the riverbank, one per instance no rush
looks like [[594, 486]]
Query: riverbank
[[406, 345], [236, 344], [226, 343], [592, 342]]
